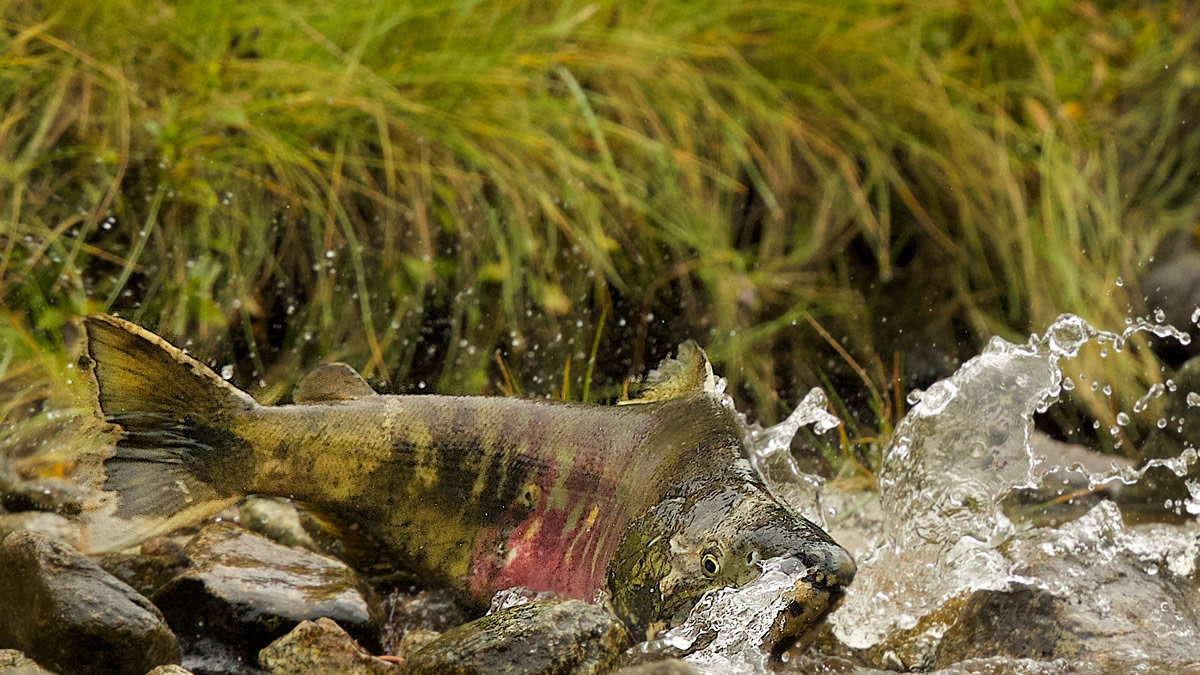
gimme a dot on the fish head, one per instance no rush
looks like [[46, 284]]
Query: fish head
[[717, 536]]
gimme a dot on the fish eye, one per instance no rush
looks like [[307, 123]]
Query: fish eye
[[710, 564]]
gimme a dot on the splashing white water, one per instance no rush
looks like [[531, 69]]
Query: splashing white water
[[958, 452], [730, 624]]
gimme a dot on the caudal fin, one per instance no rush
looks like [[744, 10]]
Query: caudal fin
[[177, 461]]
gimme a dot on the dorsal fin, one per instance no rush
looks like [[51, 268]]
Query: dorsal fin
[[331, 382], [687, 374]]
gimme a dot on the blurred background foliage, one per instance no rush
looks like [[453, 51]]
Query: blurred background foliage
[[546, 198]]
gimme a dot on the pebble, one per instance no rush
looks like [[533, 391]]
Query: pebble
[[13, 662], [320, 646]]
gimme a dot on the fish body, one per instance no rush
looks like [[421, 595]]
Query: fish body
[[644, 501]]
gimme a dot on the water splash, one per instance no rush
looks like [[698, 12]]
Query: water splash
[[770, 453], [965, 445], [725, 632]]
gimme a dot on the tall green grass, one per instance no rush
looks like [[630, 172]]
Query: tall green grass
[[426, 189]]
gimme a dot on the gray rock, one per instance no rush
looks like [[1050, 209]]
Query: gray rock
[[664, 667], [68, 614], [416, 619], [241, 591], [1123, 600], [277, 519], [50, 524], [44, 494], [158, 561], [1102, 598], [549, 636], [1182, 430], [13, 662], [1171, 283], [1063, 492], [1003, 665], [320, 646]]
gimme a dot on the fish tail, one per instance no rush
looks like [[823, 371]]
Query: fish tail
[[176, 460]]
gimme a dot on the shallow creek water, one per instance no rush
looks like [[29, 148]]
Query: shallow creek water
[[964, 446]]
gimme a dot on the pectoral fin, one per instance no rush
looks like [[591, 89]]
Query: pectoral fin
[[687, 374], [331, 382]]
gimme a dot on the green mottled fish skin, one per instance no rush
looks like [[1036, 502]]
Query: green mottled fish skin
[[425, 474], [648, 501]]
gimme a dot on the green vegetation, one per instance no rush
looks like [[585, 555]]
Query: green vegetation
[[475, 197]]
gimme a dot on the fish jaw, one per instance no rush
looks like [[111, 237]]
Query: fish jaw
[[814, 596]]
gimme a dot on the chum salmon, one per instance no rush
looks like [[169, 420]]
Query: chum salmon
[[651, 503]]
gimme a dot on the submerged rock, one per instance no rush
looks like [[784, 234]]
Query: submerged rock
[[277, 519], [44, 494], [416, 619], [320, 646], [13, 662], [545, 637], [241, 591], [664, 667], [65, 612], [1063, 473], [1092, 593], [51, 524], [159, 560]]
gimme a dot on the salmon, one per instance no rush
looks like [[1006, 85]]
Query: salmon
[[647, 505]]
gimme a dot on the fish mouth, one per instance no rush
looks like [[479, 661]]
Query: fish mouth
[[800, 621], [812, 598]]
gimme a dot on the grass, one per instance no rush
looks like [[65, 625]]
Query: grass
[[412, 186]]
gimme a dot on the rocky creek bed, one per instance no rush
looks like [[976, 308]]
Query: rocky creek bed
[[988, 548]]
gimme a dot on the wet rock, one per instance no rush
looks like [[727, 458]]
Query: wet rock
[[158, 561], [1180, 430], [241, 591], [1021, 622], [1003, 665], [276, 519], [1092, 592], [50, 524], [1064, 491], [664, 667], [68, 614], [320, 646], [1171, 283], [813, 663], [551, 636], [13, 662], [416, 619], [44, 494], [1105, 595], [171, 669]]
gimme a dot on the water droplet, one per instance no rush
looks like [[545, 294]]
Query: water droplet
[[1193, 399], [938, 396], [227, 371], [1067, 334]]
